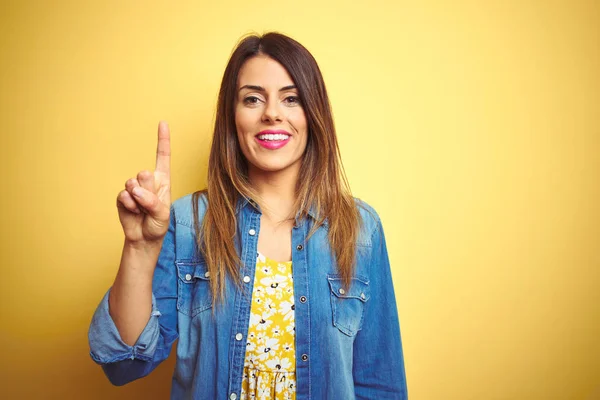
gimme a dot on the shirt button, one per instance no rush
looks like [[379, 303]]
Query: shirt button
[[299, 247], [246, 279], [239, 336], [207, 274], [252, 232], [303, 299], [362, 296], [233, 396], [342, 291], [188, 277], [304, 357]]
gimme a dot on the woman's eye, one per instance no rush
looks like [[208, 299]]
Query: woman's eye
[[251, 100], [292, 100]]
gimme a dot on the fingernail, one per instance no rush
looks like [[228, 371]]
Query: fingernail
[[137, 192]]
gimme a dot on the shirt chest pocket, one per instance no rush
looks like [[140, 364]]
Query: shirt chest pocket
[[348, 305], [193, 294]]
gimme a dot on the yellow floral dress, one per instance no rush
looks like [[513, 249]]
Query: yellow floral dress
[[270, 363]]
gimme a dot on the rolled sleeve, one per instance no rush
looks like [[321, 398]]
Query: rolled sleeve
[[106, 345]]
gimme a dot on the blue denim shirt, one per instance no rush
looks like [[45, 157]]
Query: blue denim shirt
[[348, 343]]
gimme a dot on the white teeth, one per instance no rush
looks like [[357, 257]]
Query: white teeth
[[273, 136]]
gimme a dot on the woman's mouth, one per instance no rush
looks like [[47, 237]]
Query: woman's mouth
[[273, 140]]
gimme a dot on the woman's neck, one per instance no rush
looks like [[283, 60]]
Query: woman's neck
[[277, 191]]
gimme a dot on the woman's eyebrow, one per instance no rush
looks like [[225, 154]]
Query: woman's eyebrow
[[262, 89]]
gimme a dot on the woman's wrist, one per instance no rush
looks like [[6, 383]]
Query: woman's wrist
[[140, 257]]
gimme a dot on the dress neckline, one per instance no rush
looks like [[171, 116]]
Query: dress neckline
[[272, 260]]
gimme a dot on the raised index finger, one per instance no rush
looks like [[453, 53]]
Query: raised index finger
[[163, 149]]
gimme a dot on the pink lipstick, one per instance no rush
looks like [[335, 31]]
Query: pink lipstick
[[273, 139]]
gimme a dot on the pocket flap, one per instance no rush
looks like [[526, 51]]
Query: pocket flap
[[359, 288], [188, 272]]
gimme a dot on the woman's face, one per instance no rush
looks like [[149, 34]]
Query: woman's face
[[270, 121]]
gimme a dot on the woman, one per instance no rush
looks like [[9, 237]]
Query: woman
[[275, 242]]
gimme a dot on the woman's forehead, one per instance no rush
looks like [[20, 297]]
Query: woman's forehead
[[265, 72]]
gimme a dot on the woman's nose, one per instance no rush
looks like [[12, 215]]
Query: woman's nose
[[272, 112]]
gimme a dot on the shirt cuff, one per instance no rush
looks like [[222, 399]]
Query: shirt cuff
[[106, 345]]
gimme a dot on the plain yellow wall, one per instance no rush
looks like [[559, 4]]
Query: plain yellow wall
[[472, 127]]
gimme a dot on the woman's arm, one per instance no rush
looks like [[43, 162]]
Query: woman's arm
[[378, 365], [124, 361], [126, 335], [130, 299]]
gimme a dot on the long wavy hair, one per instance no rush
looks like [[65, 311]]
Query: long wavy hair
[[322, 184]]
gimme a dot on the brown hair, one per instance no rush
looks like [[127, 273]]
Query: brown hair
[[321, 185]]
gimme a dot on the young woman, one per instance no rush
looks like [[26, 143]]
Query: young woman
[[275, 280]]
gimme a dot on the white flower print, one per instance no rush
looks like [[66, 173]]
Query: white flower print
[[250, 346], [279, 364], [290, 328], [270, 307], [260, 337], [276, 331], [266, 270], [268, 349], [251, 360], [263, 323], [280, 384], [264, 393], [274, 283], [270, 362], [281, 267], [255, 319], [286, 308]]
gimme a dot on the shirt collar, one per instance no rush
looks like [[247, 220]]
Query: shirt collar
[[244, 202]]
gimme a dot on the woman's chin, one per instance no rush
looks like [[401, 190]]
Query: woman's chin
[[272, 167]]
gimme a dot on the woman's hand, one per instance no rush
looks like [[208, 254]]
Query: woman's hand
[[144, 206]]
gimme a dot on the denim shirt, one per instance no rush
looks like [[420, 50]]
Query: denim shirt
[[348, 343]]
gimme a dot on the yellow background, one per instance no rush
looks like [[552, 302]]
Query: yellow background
[[471, 126]]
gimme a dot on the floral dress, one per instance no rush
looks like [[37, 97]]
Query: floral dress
[[270, 363]]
